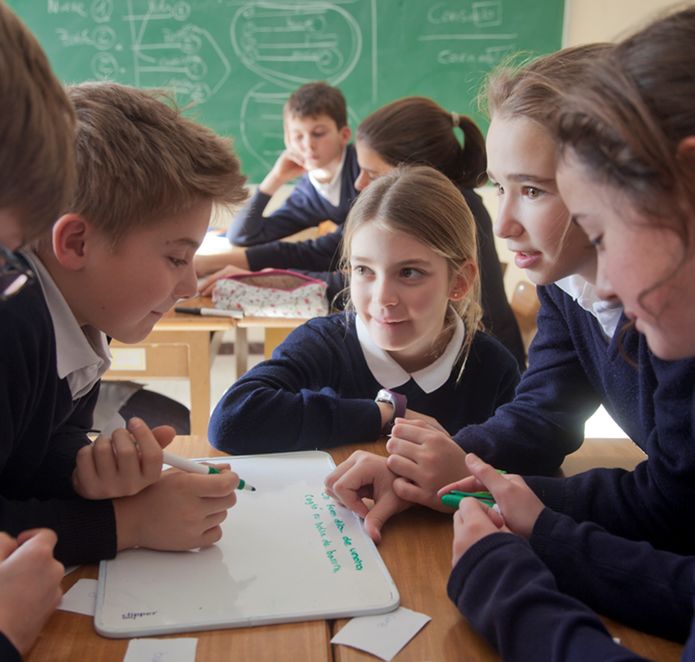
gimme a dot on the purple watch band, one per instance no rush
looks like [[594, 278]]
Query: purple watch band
[[398, 401]]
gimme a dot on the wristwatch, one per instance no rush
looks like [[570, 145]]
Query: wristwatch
[[398, 401]]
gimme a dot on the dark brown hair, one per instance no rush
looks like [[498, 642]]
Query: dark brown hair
[[318, 98], [626, 121], [37, 131], [417, 131], [139, 160]]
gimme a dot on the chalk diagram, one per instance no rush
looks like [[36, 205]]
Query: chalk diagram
[[484, 14], [187, 60], [286, 45]]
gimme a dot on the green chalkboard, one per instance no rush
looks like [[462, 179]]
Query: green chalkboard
[[234, 61]]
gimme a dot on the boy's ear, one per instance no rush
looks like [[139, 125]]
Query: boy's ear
[[69, 240], [462, 280], [345, 134]]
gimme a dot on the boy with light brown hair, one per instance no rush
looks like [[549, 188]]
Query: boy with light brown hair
[[116, 260]]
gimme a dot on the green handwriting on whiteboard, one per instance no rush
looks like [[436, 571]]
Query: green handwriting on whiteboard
[[325, 517]]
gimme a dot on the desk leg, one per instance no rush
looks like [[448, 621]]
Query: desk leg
[[273, 337], [241, 351], [199, 375]]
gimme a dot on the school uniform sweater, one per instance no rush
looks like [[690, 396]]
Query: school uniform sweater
[[43, 428], [573, 369], [323, 255], [8, 653], [529, 599], [318, 392], [304, 208]]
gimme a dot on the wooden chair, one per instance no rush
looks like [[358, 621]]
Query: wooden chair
[[525, 305]]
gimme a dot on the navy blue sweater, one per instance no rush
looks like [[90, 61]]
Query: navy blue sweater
[[572, 369], [8, 653], [42, 431], [529, 599], [317, 392], [304, 208], [323, 255]]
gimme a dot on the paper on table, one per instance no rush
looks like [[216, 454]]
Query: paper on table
[[382, 635], [161, 650], [81, 598]]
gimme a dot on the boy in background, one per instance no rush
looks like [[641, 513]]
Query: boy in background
[[114, 262], [37, 163], [317, 151]]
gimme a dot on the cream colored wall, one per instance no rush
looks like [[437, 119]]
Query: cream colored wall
[[587, 21]]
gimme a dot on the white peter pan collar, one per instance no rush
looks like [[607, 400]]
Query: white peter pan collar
[[607, 313], [390, 375]]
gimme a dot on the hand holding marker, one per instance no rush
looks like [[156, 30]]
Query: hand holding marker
[[184, 464], [197, 468]]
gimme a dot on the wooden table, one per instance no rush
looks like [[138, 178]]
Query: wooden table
[[184, 346], [416, 548]]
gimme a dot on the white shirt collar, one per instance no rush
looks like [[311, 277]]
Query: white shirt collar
[[330, 190], [82, 353], [607, 313], [390, 375]]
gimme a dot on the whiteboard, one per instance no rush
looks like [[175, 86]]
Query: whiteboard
[[288, 553]]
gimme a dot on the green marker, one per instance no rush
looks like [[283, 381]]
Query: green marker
[[454, 497], [196, 468]]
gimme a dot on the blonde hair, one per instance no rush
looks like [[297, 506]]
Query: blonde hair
[[534, 88], [37, 131], [424, 204], [139, 160]]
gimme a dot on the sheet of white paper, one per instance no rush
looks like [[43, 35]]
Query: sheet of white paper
[[382, 635], [161, 650], [81, 598]]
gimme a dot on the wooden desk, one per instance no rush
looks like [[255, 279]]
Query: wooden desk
[[184, 346], [416, 548]]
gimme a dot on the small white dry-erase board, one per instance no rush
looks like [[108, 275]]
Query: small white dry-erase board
[[288, 553]]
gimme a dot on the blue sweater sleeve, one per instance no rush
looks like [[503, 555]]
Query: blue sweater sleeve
[[8, 653], [510, 597], [303, 398], [320, 254], [652, 502], [545, 421], [299, 211], [629, 581]]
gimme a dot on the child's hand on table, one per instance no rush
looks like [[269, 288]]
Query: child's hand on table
[[517, 503], [180, 511], [424, 457], [122, 465], [365, 475]]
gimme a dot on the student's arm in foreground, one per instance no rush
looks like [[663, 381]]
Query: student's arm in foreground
[[629, 581], [545, 421], [29, 587], [652, 501], [509, 596], [298, 399]]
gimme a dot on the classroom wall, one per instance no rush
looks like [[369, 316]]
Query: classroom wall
[[587, 21]]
